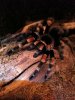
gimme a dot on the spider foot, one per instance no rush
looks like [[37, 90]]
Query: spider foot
[[34, 75], [48, 71], [36, 54], [36, 72], [12, 51], [31, 47]]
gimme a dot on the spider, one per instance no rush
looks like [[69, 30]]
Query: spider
[[45, 38]]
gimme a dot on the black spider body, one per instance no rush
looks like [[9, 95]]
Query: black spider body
[[45, 42]]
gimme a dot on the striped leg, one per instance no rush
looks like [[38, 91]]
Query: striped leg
[[33, 45], [51, 64], [35, 73], [48, 71], [40, 50]]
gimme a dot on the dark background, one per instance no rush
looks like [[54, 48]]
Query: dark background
[[14, 13]]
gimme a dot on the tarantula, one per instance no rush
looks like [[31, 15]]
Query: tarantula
[[45, 38]]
